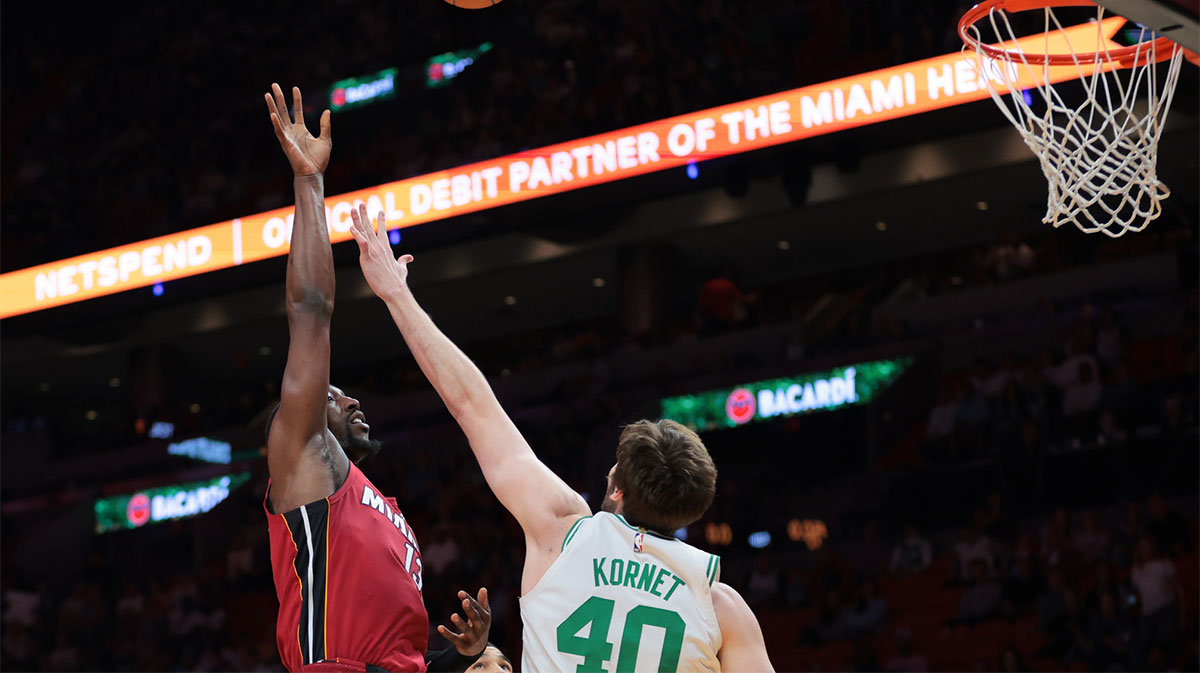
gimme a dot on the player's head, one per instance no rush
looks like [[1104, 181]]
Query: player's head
[[347, 422], [664, 478], [491, 661]]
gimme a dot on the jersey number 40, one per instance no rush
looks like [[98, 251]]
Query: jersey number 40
[[595, 648]]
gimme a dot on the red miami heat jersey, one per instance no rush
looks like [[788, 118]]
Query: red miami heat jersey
[[348, 575]]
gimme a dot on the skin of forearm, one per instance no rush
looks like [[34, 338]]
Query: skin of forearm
[[456, 379], [310, 284]]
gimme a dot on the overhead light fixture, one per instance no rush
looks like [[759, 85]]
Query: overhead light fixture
[[881, 225], [194, 407], [264, 350], [91, 415], [597, 282], [114, 382], [510, 300], [44, 387], [784, 245], [981, 205]]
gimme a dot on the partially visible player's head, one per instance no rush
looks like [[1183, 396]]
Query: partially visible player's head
[[664, 478], [491, 661], [348, 424]]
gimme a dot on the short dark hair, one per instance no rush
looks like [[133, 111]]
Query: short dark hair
[[667, 478]]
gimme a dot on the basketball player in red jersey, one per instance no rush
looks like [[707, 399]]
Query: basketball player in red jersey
[[346, 564]]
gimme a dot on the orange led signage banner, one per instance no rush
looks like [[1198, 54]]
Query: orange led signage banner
[[809, 111]]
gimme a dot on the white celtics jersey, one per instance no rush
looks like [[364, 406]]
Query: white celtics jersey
[[618, 599]]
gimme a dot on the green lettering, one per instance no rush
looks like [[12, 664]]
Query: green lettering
[[631, 574], [616, 571], [662, 576], [678, 581], [598, 571], [647, 577]]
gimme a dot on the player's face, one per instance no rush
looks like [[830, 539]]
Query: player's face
[[349, 425], [491, 661]]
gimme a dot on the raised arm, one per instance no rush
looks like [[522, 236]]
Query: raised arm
[[299, 426], [742, 644], [541, 502]]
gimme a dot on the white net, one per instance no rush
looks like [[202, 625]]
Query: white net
[[1097, 141]]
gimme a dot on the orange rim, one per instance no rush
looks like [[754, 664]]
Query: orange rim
[[1142, 54]]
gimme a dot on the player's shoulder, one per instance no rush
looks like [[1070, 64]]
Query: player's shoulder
[[729, 605]]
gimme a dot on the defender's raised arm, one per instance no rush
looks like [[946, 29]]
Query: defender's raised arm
[[541, 502]]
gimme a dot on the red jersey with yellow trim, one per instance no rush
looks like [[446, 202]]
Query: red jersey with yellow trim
[[348, 575]]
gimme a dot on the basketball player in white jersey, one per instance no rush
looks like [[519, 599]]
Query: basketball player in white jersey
[[608, 592]]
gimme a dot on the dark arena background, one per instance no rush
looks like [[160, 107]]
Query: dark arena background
[[949, 436]]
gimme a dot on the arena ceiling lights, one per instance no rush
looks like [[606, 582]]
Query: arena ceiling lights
[[748, 125]]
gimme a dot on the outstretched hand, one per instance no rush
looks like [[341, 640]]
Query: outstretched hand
[[386, 275], [474, 637], [308, 155]]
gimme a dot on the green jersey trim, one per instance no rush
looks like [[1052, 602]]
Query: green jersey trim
[[714, 563], [571, 533]]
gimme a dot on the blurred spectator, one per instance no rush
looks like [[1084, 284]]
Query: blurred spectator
[[1008, 415], [995, 522], [939, 430], [1012, 661], [442, 552], [721, 304], [1010, 258], [831, 573], [1159, 595], [1128, 534], [763, 584], [982, 600], [1169, 528], [795, 591], [987, 380], [865, 659], [905, 660], [1051, 605], [65, 656], [869, 613], [239, 559], [1078, 378], [974, 546], [1057, 549], [869, 556], [132, 602], [1021, 588], [1110, 637], [1080, 399], [1108, 582], [913, 553], [20, 605], [1110, 430], [20, 649], [1090, 540], [1110, 339], [832, 623]]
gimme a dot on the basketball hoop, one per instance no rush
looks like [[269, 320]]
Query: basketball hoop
[[1099, 153]]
